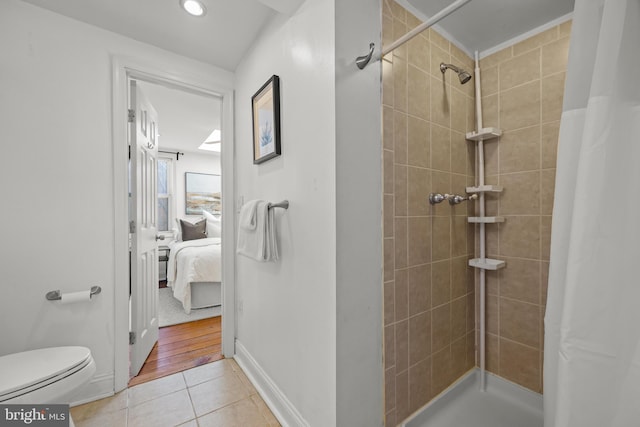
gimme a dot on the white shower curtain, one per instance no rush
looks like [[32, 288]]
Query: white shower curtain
[[592, 323]]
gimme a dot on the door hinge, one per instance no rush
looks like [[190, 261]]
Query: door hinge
[[131, 115], [132, 227], [132, 338]]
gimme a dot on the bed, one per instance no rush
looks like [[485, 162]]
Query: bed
[[194, 272]]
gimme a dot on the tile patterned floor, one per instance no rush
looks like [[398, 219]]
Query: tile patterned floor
[[214, 395]]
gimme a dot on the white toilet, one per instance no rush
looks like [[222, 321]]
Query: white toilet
[[47, 375]]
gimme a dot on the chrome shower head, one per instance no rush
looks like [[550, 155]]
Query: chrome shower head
[[462, 74]]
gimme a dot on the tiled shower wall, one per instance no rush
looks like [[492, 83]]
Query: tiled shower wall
[[429, 298], [522, 89], [429, 293]]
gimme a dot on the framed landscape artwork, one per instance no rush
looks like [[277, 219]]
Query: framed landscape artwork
[[266, 121], [203, 192]]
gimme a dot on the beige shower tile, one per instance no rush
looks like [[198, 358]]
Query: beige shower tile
[[390, 419], [544, 283], [390, 390], [440, 102], [441, 237], [387, 127], [493, 353], [545, 237], [471, 311], [419, 289], [419, 188], [400, 189], [565, 28], [521, 193], [554, 56], [400, 144], [441, 327], [419, 337], [458, 110], [520, 280], [389, 259], [493, 314], [489, 80], [520, 322], [459, 276], [520, 364], [440, 148], [458, 357], [459, 235], [535, 41], [552, 94], [440, 283], [399, 30], [492, 157], [412, 21], [419, 51], [398, 12], [460, 57], [496, 58], [389, 303], [402, 395], [458, 318], [441, 376], [418, 92], [520, 69], [388, 215], [550, 133], [419, 236], [400, 243], [387, 83], [520, 150], [402, 345], [471, 113], [419, 140], [387, 25], [439, 40], [387, 159], [401, 293], [491, 111], [399, 82], [493, 240], [547, 184], [520, 237], [458, 186], [520, 106], [419, 384], [471, 350]]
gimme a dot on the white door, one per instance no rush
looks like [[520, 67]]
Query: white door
[[143, 214]]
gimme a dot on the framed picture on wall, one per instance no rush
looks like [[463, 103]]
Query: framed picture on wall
[[266, 121], [203, 192]]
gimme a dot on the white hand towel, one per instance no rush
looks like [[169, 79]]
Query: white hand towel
[[248, 215], [259, 243]]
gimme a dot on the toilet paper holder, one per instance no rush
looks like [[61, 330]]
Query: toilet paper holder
[[57, 295]]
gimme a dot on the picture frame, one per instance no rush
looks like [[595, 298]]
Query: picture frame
[[202, 193], [265, 114]]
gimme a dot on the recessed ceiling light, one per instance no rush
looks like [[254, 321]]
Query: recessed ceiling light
[[193, 7]]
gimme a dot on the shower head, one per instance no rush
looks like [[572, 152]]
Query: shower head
[[462, 74]]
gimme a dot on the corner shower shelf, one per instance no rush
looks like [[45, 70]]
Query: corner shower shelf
[[484, 134], [485, 219], [487, 263], [485, 189]]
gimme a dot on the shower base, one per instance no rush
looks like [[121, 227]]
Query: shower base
[[503, 404]]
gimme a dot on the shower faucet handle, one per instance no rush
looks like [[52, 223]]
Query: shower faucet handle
[[438, 198], [456, 199]]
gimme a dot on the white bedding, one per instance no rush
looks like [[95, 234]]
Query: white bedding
[[193, 261]]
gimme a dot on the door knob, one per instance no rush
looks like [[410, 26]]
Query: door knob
[[159, 237]]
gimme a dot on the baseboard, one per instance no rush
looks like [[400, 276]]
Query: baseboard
[[282, 408], [99, 387]]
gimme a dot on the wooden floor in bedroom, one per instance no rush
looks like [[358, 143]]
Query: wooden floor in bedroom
[[181, 347]]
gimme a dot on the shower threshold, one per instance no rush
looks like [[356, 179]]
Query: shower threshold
[[463, 404]]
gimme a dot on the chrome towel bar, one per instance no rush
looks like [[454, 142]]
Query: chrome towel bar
[[57, 295], [283, 204]]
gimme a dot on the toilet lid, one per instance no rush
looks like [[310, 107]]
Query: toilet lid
[[23, 370]]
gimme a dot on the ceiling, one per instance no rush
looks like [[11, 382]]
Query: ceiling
[[185, 119], [483, 24]]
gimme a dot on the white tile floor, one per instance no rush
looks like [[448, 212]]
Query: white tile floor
[[214, 395]]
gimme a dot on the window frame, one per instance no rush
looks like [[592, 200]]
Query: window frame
[[170, 195]]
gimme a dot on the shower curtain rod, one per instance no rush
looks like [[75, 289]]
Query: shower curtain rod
[[362, 61]]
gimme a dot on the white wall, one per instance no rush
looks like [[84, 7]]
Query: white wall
[[287, 321], [56, 169]]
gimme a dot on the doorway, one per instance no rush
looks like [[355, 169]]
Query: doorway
[[178, 304], [125, 70]]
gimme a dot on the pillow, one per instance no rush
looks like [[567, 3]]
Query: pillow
[[193, 231], [214, 225]]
